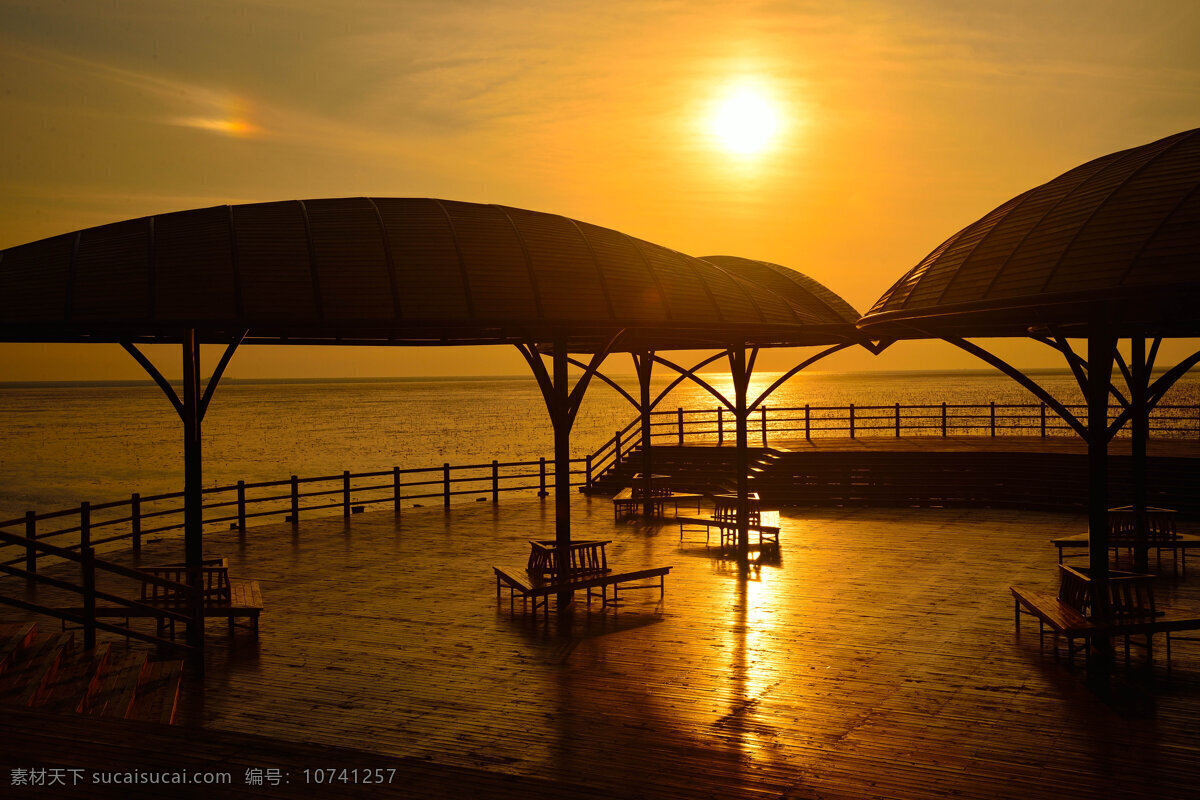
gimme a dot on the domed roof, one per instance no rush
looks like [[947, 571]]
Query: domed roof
[[391, 271], [1117, 238]]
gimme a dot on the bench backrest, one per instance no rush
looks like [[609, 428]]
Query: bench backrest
[[214, 583], [1128, 596], [725, 509], [585, 557], [1160, 526]]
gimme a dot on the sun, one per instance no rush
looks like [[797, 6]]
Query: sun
[[744, 119]]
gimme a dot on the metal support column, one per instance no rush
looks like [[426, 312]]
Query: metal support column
[[1139, 433], [1099, 377], [193, 498], [644, 364], [741, 380], [560, 418]]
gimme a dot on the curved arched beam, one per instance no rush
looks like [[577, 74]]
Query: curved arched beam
[[534, 360], [169, 390], [691, 373], [684, 376], [1022, 379], [1079, 365], [574, 398], [598, 374], [792, 372], [1158, 389], [153, 372], [215, 378]]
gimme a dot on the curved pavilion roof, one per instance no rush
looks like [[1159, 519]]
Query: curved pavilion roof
[[395, 271], [814, 303], [1116, 238]]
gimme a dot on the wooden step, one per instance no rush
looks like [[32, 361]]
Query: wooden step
[[158, 692], [117, 686], [13, 637], [73, 679], [32, 668]]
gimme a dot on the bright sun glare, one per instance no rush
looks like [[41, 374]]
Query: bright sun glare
[[744, 120]]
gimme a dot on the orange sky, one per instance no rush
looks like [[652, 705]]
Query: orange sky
[[897, 124]]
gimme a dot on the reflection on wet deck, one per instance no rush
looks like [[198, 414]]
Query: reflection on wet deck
[[877, 657]]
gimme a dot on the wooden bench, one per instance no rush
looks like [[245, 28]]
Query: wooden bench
[[628, 501], [1065, 613], [541, 578], [1178, 544], [725, 519], [223, 596], [1126, 609], [768, 534]]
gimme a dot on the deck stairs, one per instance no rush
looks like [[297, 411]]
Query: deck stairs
[[709, 470], [48, 671]]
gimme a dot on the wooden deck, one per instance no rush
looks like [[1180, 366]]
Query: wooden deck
[[878, 659]]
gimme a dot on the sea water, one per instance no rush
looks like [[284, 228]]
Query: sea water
[[64, 443]]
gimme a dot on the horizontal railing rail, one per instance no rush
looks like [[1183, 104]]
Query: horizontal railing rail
[[235, 504], [99, 580], [718, 426]]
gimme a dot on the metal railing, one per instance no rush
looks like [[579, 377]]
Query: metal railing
[[717, 425], [140, 516], [99, 580]]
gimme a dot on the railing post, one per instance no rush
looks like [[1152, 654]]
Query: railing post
[[85, 525], [943, 418], [764, 425], [135, 521], [396, 490], [346, 493], [616, 450], [241, 511], [1043, 405], [446, 484], [993, 412], [89, 596], [720, 426], [89, 575], [897, 420], [680, 416], [542, 475], [588, 474], [807, 422], [31, 538], [295, 501], [852, 420], [495, 481]]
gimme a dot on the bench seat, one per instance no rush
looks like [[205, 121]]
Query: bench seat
[[1179, 545], [626, 504], [768, 535], [1051, 612], [519, 582], [237, 599], [1125, 609]]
